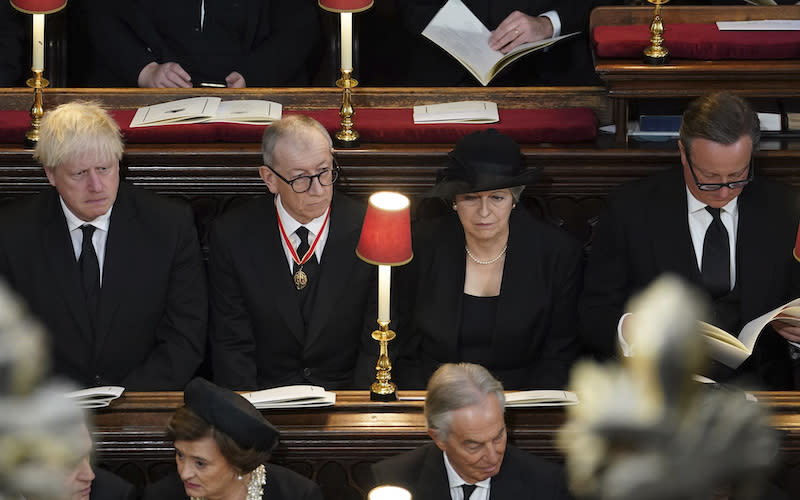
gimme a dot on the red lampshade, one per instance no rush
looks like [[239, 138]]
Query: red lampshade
[[796, 251], [386, 233], [345, 5], [38, 6]]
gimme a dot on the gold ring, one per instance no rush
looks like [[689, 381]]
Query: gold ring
[[516, 33]]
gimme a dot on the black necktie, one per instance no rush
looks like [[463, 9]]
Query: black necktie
[[716, 261], [311, 266], [90, 269], [468, 489]]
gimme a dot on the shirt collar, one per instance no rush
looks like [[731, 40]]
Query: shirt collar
[[74, 222], [455, 481], [290, 225], [696, 205]]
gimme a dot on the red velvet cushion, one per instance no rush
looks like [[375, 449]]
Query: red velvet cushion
[[375, 126], [697, 41]]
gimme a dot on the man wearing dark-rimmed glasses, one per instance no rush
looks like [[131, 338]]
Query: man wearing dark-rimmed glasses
[[290, 301], [715, 222]]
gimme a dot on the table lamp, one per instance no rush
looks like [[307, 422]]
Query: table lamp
[[38, 8], [346, 137], [389, 493], [656, 53], [385, 242]]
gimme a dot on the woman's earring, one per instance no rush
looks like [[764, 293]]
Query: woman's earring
[[454, 207], [239, 477]]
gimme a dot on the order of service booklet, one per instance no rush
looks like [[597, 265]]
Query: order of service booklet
[[291, 396], [207, 110], [456, 29], [457, 112], [96, 397], [732, 351]]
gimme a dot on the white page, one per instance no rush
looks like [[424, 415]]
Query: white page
[[763, 25], [457, 112], [248, 111], [181, 111]]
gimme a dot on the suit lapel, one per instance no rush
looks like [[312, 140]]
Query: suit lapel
[[668, 226], [752, 231], [449, 266], [273, 267], [60, 256], [432, 483]]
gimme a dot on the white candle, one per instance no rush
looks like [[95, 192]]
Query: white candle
[[384, 285], [38, 42], [347, 41]]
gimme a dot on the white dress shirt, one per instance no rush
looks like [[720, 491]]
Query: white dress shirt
[[99, 236], [455, 482], [314, 227]]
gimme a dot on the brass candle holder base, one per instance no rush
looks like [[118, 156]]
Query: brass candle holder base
[[37, 83], [656, 53], [346, 137], [383, 389]]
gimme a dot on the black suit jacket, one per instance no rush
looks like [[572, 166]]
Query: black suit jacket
[[568, 62], [282, 484], [422, 472], [258, 335], [269, 42], [534, 340], [109, 486], [153, 304], [645, 232]]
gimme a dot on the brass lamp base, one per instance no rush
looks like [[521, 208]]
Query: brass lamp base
[[37, 83], [656, 53], [346, 137], [383, 389]]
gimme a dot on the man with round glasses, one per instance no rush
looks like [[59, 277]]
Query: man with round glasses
[[291, 303], [715, 223]]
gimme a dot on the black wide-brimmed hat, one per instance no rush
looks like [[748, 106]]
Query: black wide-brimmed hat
[[230, 413], [482, 161]]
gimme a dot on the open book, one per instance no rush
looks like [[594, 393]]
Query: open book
[[291, 396], [523, 399], [457, 112], [456, 29], [207, 109], [732, 351], [96, 397]]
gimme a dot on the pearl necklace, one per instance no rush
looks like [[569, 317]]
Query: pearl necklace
[[486, 262], [255, 488]]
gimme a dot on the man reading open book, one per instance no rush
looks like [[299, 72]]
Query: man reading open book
[[713, 221]]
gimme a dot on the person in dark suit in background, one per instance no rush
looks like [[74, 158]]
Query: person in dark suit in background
[[489, 283], [183, 43], [89, 482], [469, 458], [291, 303], [114, 272], [714, 222]]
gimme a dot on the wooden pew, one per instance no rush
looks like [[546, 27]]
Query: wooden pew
[[629, 79], [335, 445]]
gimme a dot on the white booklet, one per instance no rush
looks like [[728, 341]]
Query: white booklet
[[457, 112], [291, 396], [544, 397], [456, 29], [96, 397], [208, 109], [762, 25], [732, 351]]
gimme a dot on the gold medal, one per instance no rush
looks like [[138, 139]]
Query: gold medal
[[300, 279]]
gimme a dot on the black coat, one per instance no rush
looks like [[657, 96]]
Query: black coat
[[645, 232], [522, 476], [534, 340], [153, 304], [259, 338], [109, 486]]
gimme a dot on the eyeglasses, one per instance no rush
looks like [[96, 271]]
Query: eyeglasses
[[302, 183], [716, 186]]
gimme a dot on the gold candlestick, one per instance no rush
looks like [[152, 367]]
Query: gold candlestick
[[37, 83], [346, 137], [383, 389], [656, 53]]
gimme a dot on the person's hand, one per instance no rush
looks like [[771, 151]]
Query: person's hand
[[519, 28], [235, 80], [786, 330], [166, 75]]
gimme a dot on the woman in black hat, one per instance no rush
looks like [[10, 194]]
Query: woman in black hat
[[489, 283], [222, 444]]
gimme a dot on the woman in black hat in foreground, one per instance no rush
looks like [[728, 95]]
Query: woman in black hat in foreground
[[489, 283], [222, 444]]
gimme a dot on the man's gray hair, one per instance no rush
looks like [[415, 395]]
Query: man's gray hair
[[293, 126], [454, 386], [720, 117]]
